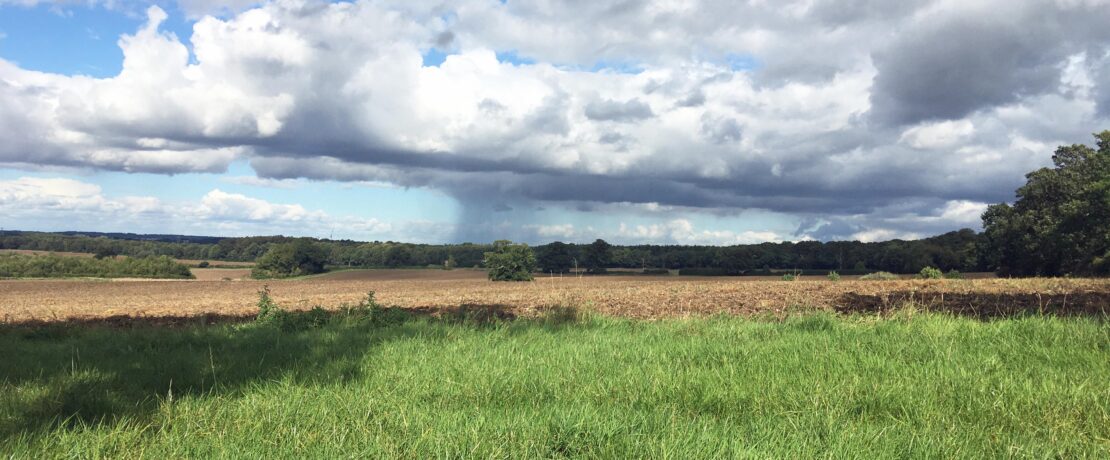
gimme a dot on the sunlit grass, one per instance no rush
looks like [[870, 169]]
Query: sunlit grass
[[909, 386]]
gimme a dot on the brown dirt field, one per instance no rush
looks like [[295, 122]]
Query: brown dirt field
[[218, 274], [225, 263], [628, 296]]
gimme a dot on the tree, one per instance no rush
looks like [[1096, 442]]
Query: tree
[[300, 257], [510, 262], [555, 258], [1060, 223], [597, 256]]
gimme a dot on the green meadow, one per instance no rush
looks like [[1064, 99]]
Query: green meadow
[[388, 384]]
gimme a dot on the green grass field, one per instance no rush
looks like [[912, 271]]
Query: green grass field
[[909, 386]]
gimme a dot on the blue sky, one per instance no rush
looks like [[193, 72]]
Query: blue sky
[[721, 124]]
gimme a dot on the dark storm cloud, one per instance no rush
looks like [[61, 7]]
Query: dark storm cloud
[[948, 67]]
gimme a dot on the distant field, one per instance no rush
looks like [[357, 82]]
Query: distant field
[[627, 296]]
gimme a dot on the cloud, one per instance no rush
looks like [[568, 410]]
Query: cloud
[[609, 110], [682, 231], [56, 203], [850, 113]]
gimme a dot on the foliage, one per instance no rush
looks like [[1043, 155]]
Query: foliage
[[298, 258], [203, 264], [106, 252], [955, 250], [953, 275], [54, 266], [834, 276], [1060, 223], [879, 276], [930, 273], [597, 257], [789, 277], [510, 262], [555, 258], [813, 386]]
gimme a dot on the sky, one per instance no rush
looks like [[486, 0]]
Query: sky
[[665, 122]]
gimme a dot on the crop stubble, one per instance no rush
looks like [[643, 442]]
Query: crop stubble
[[635, 297]]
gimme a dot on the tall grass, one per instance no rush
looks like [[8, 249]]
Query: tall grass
[[911, 386]]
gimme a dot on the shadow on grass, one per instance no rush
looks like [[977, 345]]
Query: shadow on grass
[[979, 305], [67, 375]]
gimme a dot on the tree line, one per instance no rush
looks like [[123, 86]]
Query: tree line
[[54, 266]]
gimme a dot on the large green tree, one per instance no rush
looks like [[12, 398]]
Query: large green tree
[[556, 257], [510, 262], [299, 257], [597, 256], [1060, 223]]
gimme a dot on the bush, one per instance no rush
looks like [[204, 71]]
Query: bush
[[203, 264], [931, 273], [510, 262], [834, 276], [789, 277], [879, 276], [954, 275], [301, 257]]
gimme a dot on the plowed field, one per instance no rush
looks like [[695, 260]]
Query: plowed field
[[630, 296]]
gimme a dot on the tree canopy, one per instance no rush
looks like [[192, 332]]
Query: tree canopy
[[297, 258], [1060, 223], [510, 262], [598, 256]]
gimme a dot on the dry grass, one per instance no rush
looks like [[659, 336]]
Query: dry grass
[[631, 296]]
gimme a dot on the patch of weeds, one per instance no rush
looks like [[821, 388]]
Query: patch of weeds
[[559, 315], [879, 276], [931, 273], [953, 275], [834, 276], [271, 314]]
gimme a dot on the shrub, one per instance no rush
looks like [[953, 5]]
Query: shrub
[[203, 264], [954, 275], [834, 276], [267, 308], [301, 257], [931, 273], [510, 262], [789, 277], [879, 276]]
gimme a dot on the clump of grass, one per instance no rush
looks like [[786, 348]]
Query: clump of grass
[[834, 276], [953, 275], [879, 276]]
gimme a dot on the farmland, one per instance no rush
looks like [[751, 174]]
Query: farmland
[[625, 296]]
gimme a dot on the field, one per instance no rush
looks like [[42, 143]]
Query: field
[[609, 366], [625, 296], [821, 385]]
